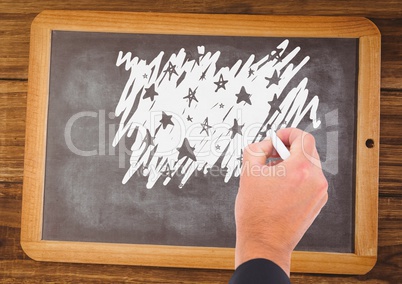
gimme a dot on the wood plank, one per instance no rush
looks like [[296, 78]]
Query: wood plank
[[12, 129], [390, 180], [370, 8], [389, 264], [15, 20], [390, 222], [10, 205], [391, 55], [14, 47], [391, 141], [12, 112], [391, 104]]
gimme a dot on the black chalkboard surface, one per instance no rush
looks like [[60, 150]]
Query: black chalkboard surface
[[144, 133], [85, 199]]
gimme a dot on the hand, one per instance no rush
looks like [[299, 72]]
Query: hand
[[277, 203]]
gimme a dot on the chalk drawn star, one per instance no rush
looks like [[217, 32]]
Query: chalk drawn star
[[191, 96], [168, 172], [150, 93], [166, 120], [186, 151], [221, 83], [250, 73], [236, 128], [205, 126], [274, 80], [217, 147], [275, 106], [221, 105], [276, 54], [145, 76], [243, 96], [171, 70], [189, 118]]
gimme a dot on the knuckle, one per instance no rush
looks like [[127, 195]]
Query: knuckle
[[308, 138], [322, 186], [325, 198], [308, 142], [305, 169], [303, 172]]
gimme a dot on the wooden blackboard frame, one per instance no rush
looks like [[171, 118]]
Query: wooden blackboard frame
[[367, 149]]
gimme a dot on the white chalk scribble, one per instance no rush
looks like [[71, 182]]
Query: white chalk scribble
[[187, 116]]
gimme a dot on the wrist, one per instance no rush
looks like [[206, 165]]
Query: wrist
[[251, 249]]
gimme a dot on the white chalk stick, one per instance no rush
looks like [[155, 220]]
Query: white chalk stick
[[279, 146]]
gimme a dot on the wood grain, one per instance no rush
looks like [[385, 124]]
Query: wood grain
[[391, 31], [353, 7], [390, 144], [15, 20], [12, 129]]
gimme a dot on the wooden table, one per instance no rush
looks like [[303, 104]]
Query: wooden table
[[15, 19]]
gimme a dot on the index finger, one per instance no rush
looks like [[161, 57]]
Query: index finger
[[300, 142]]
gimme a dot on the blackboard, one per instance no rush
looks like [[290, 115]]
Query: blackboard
[[143, 133]]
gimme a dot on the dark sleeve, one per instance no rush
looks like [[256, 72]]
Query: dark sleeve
[[257, 271]]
